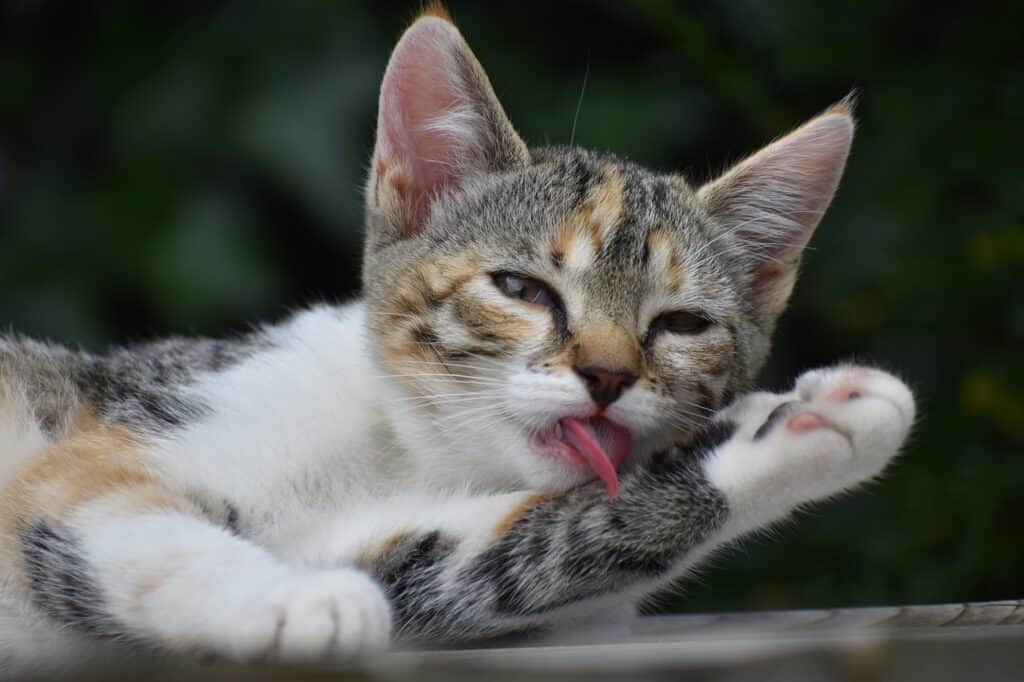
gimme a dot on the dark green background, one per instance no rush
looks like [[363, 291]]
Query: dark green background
[[190, 168]]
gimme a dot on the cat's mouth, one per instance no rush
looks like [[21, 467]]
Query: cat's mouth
[[594, 443]]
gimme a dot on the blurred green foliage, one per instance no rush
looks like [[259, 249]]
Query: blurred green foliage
[[191, 167]]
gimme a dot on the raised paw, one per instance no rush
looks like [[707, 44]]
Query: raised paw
[[312, 617], [837, 428]]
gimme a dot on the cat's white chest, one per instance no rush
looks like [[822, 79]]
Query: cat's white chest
[[297, 424]]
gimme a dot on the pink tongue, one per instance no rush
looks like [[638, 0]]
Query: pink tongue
[[585, 439]]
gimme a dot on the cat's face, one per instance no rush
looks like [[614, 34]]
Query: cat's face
[[547, 316]]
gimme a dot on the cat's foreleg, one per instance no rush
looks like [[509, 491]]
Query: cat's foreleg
[[471, 568], [96, 545]]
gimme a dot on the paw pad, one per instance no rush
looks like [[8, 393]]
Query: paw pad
[[844, 393], [805, 421]]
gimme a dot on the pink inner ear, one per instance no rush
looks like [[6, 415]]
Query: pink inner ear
[[766, 273], [420, 91]]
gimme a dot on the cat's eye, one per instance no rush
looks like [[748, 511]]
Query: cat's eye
[[526, 289], [680, 322]]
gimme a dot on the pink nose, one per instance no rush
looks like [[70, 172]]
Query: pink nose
[[604, 386]]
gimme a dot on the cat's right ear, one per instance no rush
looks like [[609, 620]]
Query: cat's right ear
[[438, 123], [765, 208]]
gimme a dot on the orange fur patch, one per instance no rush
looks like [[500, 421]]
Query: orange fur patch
[[95, 463], [399, 183], [393, 193], [609, 346], [662, 256], [99, 467], [581, 237], [579, 240], [517, 513], [591, 226], [370, 556], [443, 276], [430, 283], [564, 245], [607, 203]]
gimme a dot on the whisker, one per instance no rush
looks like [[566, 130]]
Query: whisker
[[448, 399], [481, 363], [579, 102], [437, 372], [484, 419], [428, 375]]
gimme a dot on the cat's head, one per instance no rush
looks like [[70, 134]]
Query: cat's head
[[538, 312]]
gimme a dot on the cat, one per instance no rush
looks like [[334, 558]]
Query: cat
[[537, 412]]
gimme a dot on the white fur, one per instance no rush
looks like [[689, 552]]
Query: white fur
[[227, 595], [765, 479], [297, 428]]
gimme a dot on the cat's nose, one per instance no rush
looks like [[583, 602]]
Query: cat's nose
[[605, 386]]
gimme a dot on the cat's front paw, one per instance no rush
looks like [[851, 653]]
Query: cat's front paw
[[837, 428], [312, 617]]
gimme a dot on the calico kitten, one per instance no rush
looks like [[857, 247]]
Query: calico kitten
[[534, 415]]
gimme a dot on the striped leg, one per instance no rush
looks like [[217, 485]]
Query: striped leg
[[486, 566]]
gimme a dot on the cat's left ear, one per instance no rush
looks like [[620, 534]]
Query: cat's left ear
[[438, 123], [771, 202]]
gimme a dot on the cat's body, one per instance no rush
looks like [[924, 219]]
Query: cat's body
[[419, 466]]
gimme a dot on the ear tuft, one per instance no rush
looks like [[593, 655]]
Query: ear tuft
[[436, 8], [438, 123], [846, 106], [767, 206]]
